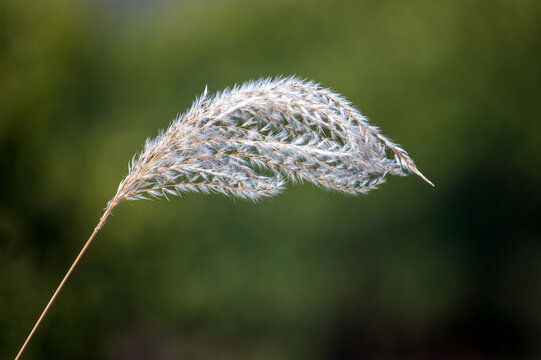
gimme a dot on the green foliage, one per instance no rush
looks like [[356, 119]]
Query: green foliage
[[404, 272]]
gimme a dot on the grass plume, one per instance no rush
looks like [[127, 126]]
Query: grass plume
[[249, 140]]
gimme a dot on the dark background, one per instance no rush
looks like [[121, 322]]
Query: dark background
[[405, 272]]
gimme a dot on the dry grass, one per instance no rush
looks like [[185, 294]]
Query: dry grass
[[248, 141]]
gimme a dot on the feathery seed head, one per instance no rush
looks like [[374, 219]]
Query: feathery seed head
[[246, 141]]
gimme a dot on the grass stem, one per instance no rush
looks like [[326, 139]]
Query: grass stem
[[65, 279]]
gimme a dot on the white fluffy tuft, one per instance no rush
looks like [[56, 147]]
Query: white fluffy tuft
[[247, 141]]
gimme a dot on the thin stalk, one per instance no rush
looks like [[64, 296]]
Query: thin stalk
[[63, 282]]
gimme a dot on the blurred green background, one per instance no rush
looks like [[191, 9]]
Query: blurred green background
[[406, 272]]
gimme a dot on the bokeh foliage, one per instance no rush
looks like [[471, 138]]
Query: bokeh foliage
[[405, 272]]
